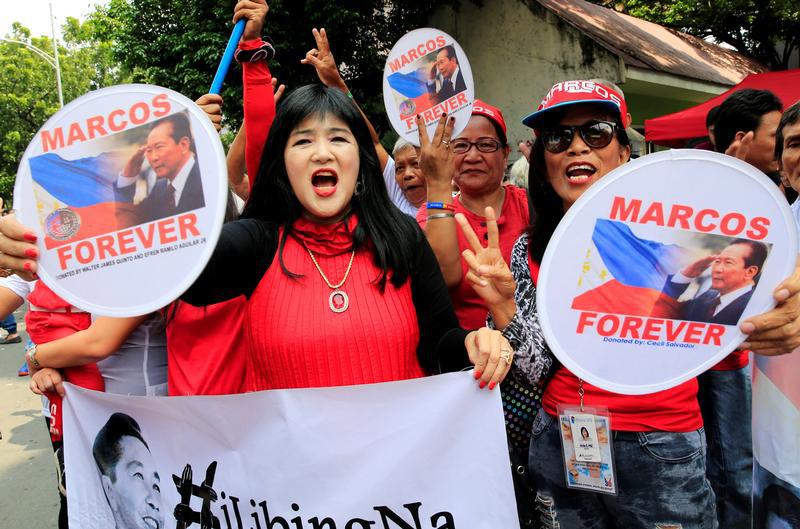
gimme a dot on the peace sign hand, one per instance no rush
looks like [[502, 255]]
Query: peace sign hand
[[489, 273], [323, 62]]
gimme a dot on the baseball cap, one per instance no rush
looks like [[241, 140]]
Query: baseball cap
[[493, 114], [578, 92]]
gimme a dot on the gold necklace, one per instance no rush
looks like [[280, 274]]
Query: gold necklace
[[338, 301]]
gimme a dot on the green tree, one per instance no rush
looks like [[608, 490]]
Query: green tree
[[178, 44], [766, 30], [28, 94]]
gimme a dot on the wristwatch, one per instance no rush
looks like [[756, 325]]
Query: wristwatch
[[31, 354]]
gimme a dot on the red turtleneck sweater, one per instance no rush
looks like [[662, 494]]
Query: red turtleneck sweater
[[293, 337], [297, 341]]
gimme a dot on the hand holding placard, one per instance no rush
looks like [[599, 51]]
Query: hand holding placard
[[18, 251], [777, 332], [436, 158]]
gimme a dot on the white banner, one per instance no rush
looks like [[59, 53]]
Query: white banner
[[428, 453]]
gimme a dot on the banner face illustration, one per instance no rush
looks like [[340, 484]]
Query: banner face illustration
[[429, 453], [427, 74], [650, 271], [126, 188]]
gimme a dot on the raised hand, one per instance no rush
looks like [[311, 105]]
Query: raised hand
[[323, 62], [740, 146], [488, 271], [436, 157], [698, 267], [134, 164], [278, 92], [255, 13]]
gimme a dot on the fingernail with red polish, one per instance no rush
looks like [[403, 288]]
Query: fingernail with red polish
[[482, 384], [477, 374], [30, 236], [491, 385], [32, 253], [27, 266]]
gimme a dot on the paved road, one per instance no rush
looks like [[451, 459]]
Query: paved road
[[28, 494]]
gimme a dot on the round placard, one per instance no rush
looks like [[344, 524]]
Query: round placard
[[126, 190], [428, 74], [648, 274]]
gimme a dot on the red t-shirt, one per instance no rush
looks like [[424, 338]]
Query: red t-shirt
[[736, 360], [671, 410], [207, 353], [514, 218]]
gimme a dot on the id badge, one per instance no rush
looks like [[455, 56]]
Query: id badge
[[586, 445]]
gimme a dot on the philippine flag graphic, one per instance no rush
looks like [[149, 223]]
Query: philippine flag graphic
[[623, 274], [413, 89], [76, 197]]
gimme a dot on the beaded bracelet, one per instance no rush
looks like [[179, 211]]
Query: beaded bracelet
[[440, 205], [441, 216]]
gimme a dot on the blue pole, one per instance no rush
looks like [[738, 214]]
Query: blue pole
[[227, 57]]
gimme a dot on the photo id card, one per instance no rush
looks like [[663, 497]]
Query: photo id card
[[586, 444]]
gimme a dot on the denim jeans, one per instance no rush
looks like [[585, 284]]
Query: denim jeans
[[724, 398], [9, 324], [661, 482], [776, 503]]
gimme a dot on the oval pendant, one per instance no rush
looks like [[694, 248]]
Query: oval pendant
[[338, 301]]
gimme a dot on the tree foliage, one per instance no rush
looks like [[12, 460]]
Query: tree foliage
[[178, 44], [28, 94], [766, 30]]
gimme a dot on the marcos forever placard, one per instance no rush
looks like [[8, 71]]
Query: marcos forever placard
[[428, 453], [650, 271], [126, 188], [427, 74]]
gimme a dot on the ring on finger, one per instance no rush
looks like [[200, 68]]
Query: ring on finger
[[446, 144], [507, 355]]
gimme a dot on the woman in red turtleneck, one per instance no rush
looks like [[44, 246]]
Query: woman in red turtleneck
[[343, 288]]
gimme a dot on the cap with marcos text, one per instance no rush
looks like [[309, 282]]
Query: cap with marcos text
[[493, 114], [578, 92]]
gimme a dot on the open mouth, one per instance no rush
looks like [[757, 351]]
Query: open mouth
[[579, 173], [412, 187], [324, 182], [151, 522]]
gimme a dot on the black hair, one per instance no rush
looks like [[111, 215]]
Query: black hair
[[711, 117], [389, 234], [106, 449], [180, 126], [451, 52], [790, 117], [742, 111], [758, 253], [545, 206]]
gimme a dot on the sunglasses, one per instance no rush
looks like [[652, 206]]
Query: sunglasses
[[595, 134]]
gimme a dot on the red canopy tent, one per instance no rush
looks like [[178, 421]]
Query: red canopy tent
[[675, 129]]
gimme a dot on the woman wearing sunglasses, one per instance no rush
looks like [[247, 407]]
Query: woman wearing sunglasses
[[657, 440]]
